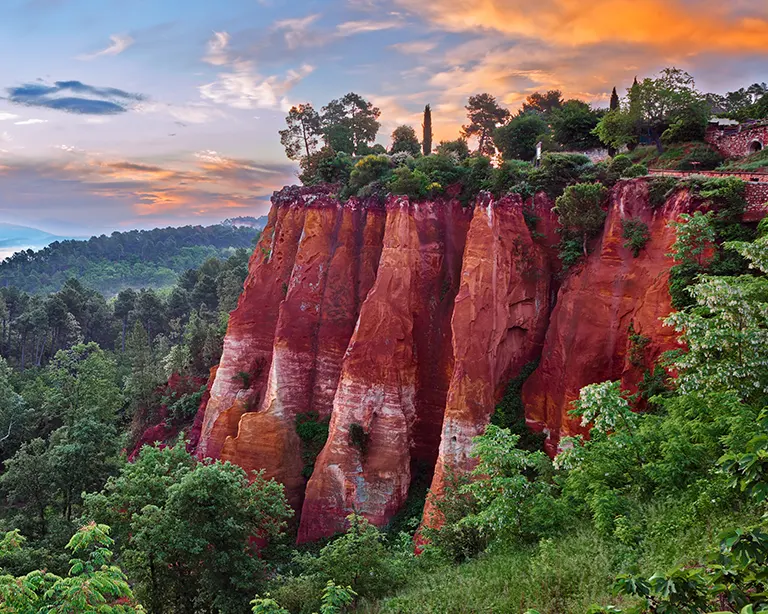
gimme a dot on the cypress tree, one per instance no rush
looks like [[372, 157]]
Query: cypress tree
[[426, 142], [614, 100]]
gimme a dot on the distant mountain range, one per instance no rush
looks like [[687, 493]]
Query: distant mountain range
[[248, 221], [14, 238]]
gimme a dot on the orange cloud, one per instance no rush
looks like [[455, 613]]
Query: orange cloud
[[673, 25]]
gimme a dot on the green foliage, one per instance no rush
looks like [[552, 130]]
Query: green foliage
[[701, 159], [184, 529], [426, 127], [573, 126], [350, 124], [617, 129], [485, 115], [517, 139], [581, 213], [637, 345], [636, 170], [93, 584], [660, 189], [558, 171], [313, 432], [409, 182], [404, 140], [458, 150], [636, 235], [369, 170], [302, 136], [510, 412]]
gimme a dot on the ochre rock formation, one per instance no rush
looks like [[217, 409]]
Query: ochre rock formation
[[334, 268], [499, 322], [389, 402], [587, 339], [403, 323]]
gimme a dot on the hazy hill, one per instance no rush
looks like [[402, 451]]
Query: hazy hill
[[137, 258]]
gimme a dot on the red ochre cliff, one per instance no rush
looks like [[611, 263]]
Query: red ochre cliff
[[403, 322], [587, 338]]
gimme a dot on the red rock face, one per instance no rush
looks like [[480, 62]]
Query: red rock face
[[247, 356], [499, 321], [404, 324], [333, 271], [395, 374], [587, 339]]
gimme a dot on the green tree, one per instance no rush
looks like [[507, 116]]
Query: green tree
[[485, 115], [544, 104], [349, 123], [28, 481], [580, 210], [145, 374], [302, 136], [616, 129], [573, 125], [404, 139], [125, 303], [94, 585], [185, 530], [458, 150], [426, 128], [517, 139]]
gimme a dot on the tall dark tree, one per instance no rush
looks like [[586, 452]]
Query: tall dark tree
[[614, 100], [614, 106], [426, 127], [485, 115], [349, 123], [302, 136]]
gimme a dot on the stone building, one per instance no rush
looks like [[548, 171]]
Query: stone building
[[735, 140]]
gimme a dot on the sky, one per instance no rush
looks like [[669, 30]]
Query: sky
[[118, 114]]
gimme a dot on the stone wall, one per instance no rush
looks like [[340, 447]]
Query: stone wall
[[739, 141]]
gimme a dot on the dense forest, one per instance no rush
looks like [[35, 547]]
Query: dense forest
[[134, 259], [656, 511]]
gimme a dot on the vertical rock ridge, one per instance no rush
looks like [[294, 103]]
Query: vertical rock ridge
[[247, 355], [393, 371], [315, 323], [498, 323]]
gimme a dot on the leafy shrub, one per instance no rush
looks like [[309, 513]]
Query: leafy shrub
[[701, 159], [409, 183], [636, 233], [636, 170], [441, 169], [619, 165], [509, 174], [186, 406], [313, 432], [370, 169], [558, 171], [660, 189], [510, 412], [581, 214]]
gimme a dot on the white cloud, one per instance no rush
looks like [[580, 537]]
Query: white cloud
[[296, 31], [216, 52], [244, 88], [5, 137], [31, 122], [349, 28], [414, 47], [120, 42], [6, 116]]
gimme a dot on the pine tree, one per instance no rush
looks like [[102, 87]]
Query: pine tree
[[426, 142], [615, 99]]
